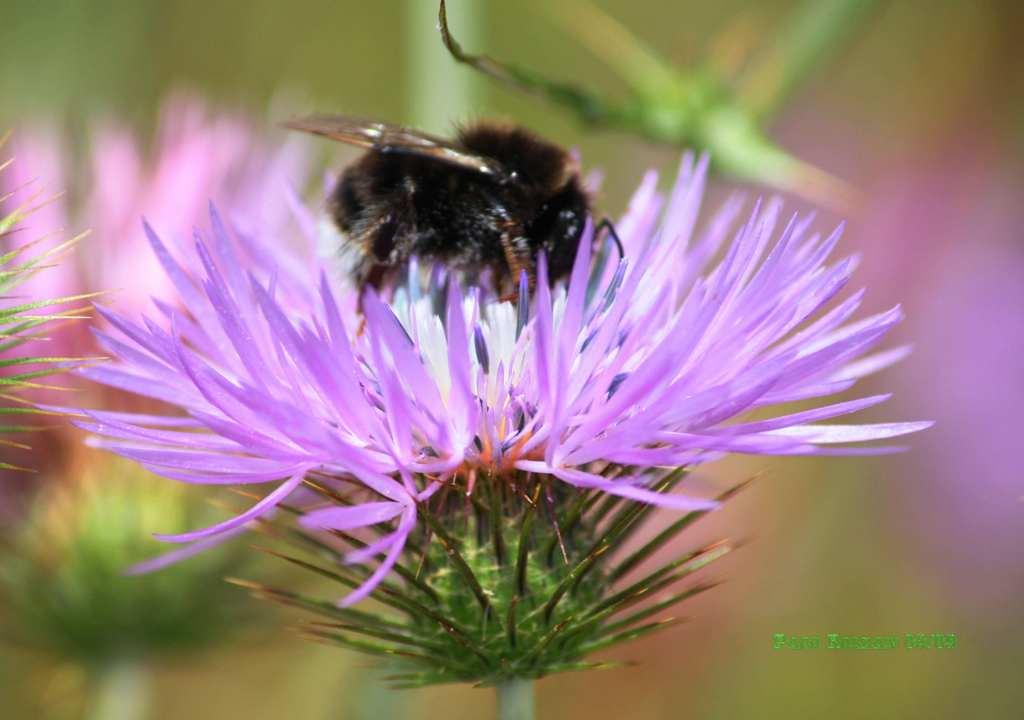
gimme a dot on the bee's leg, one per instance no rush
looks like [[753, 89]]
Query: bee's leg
[[606, 224], [368, 275], [519, 260]]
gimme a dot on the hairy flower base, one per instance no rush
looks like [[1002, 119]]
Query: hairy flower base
[[521, 578]]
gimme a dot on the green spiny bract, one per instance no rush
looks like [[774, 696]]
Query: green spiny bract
[[22, 320], [520, 578]]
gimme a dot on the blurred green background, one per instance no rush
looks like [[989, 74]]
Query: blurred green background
[[923, 111]]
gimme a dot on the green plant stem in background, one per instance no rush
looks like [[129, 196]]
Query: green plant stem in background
[[372, 699], [437, 96], [119, 691], [515, 699], [702, 107]]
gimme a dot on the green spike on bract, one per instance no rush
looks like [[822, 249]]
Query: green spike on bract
[[26, 322], [491, 601]]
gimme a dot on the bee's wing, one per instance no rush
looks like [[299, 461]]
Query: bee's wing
[[387, 138]]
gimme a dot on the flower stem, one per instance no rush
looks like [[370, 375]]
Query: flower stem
[[120, 691], [439, 92], [515, 699]]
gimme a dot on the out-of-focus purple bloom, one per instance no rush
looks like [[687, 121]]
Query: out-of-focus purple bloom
[[35, 179], [195, 156], [961, 216], [107, 181], [645, 364]]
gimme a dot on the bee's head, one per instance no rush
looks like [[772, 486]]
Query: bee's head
[[557, 227]]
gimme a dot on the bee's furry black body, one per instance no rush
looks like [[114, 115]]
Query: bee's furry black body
[[395, 204]]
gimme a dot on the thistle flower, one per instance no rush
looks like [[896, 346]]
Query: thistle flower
[[483, 460]]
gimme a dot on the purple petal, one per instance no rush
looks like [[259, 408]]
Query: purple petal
[[627, 490], [175, 556], [404, 528], [850, 433], [257, 511], [348, 518]]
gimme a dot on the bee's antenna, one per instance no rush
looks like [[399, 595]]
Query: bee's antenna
[[606, 224]]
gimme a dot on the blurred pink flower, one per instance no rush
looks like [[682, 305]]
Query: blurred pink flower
[[36, 179], [107, 182], [941, 231], [961, 268], [111, 182]]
